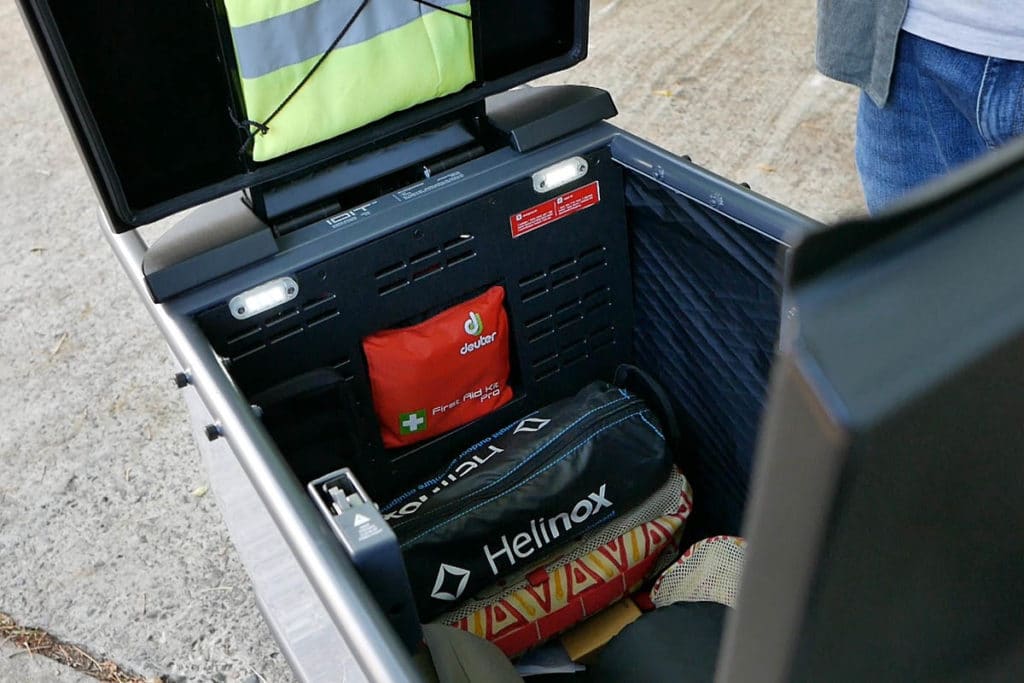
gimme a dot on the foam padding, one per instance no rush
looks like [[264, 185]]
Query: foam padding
[[706, 304]]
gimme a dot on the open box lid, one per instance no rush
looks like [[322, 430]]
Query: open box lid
[[885, 517], [149, 92]]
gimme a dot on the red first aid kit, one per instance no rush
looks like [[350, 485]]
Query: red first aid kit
[[448, 370]]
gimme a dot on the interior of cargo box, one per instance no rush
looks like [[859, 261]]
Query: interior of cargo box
[[624, 268], [649, 276], [397, 215]]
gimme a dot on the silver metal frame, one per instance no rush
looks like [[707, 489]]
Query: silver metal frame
[[367, 633], [298, 621]]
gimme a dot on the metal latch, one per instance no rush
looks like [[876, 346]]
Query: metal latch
[[373, 548]]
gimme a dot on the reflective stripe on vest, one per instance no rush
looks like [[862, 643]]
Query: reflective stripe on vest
[[268, 45], [397, 54]]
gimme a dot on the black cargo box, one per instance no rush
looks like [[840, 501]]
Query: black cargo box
[[665, 265]]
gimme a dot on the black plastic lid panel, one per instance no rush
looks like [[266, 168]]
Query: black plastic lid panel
[[151, 102]]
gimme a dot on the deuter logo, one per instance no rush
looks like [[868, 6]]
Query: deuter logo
[[450, 583], [482, 341], [544, 531], [475, 325]]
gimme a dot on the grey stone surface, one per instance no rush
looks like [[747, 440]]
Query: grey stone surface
[[20, 666], [101, 538], [733, 85]]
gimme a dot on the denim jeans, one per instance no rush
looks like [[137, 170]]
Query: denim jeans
[[945, 108]]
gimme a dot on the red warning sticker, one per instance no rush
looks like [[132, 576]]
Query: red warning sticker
[[555, 209]]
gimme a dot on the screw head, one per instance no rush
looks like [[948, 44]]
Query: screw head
[[212, 432], [181, 380]]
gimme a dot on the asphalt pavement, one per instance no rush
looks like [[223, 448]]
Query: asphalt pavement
[[108, 537]]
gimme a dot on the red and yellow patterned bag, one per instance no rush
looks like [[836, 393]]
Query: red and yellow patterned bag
[[521, 613]]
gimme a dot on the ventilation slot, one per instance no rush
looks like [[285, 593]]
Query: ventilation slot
[[246, 354], [566, 307], [389, 270], [427, 272], [574, 350], [562, 265], [424, 255], [530, 279], [602, 338], [574, 320], [344, 368], [322, 317], [423, 264], [287, 334], [561, 282], [537, 321], [595, 301], [281, 317], [534, 293], [317, 303], [544, 373], [564, 272], [457, 242], [546, 359], [540, 334], [244, 335], [460, 258], [597, 296], [574, 357], [392, 287]]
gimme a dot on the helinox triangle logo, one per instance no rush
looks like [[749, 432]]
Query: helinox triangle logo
[[450, 583], [475, 325]]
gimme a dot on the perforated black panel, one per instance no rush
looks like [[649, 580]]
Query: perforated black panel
[[568, 296]]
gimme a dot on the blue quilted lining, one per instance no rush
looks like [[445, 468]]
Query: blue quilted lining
[[706, 293]]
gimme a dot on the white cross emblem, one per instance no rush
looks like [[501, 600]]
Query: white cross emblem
[[413, 422]]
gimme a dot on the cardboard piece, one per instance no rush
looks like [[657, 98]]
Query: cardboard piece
[[589, 636]]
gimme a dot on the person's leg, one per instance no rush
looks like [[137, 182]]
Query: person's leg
[[925, 129], [988, 92], [1000, 103]]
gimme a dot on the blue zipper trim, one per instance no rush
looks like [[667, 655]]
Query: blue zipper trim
[[527, 480], [652, 426], [405, 496], [459, 459]]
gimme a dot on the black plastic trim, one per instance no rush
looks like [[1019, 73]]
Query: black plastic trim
[[124, 217], [533, 117], [217, 239]]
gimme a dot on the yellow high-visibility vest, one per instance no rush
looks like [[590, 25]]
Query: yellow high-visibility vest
[[396, 54]]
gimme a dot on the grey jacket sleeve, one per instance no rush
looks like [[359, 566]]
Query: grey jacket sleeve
[[857, 42]]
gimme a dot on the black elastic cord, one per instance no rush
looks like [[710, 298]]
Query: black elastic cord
[[445, 10], [262, 128]]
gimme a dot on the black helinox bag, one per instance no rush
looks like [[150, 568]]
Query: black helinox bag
[[533, 487]]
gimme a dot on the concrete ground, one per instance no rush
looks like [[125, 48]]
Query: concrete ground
[[106, 538]]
